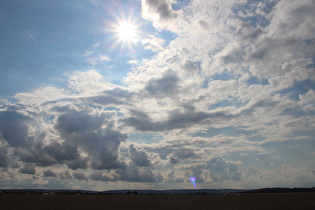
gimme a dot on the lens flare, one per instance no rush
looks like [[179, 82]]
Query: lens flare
[[193, 181]]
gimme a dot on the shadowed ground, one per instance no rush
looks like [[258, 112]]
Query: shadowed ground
[[244, 201]]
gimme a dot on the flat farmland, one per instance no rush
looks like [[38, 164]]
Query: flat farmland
[[243, 201]]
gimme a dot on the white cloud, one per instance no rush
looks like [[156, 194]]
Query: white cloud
[[161, 13], [153, 43], [105, 58], [42, 95]]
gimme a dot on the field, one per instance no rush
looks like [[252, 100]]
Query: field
[[242, 201]]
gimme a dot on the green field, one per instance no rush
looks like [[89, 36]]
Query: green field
[[242, 201]]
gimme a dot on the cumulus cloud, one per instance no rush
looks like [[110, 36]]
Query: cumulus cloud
[[49, 173], [105, 177], [184, 154], [65, 175], [153, 43], [215, 170], [28, 168], [85, 132], [175, 120], [165, 86], [79, 176], [4, 159], [14, 127], [155, 10], [173, 178], [134, 173], [139, 157], [221, 170]]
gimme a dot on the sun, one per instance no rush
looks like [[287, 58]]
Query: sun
[[126, 31]]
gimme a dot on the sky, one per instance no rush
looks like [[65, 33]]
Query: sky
[[157, 94]]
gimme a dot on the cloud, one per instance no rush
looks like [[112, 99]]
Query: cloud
[[42, 95], [172, 178], [87, 83], [105, 177], [160, 13], [153, 9], [221, 170], [139, 157], [13, 126], [65, 175], [134, 173], [116, 96], [175, 120], [79, 163], [216, 170], [29, 37], [184, 154], [28, 168], [154, 44], [105, 58], [165, 86], [49, 173], [79, 176], [85, 132]]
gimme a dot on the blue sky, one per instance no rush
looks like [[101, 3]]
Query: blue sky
[[222, 91]]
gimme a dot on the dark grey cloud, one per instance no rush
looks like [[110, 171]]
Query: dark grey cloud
[[74, 121], [247, 33], [216, 168], [173, 179], [78, 163], [176, 120], [79, 131], [115, 96], [297, 15], [166, 86], [221, 170], [62, 151], [49, 173], [103, 148], [4, 159], [196, 171], [28, 168], [105, 177], [65, 175], [33, 153], [161, 7], [139, 157], [79, 176], [86, 133], [173, 160], [191, 66], [234, 56], [133, 173], [14, 127], [185, 154]]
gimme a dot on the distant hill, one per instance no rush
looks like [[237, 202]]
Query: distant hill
[[281, 190], [156, 192], [177, 191]]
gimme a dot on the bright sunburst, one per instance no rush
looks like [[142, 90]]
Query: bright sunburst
[[126, 31]]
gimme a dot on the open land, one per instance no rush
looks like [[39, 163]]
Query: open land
[[233, 201]]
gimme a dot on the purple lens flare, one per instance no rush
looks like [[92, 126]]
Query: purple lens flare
[[193, 181]]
